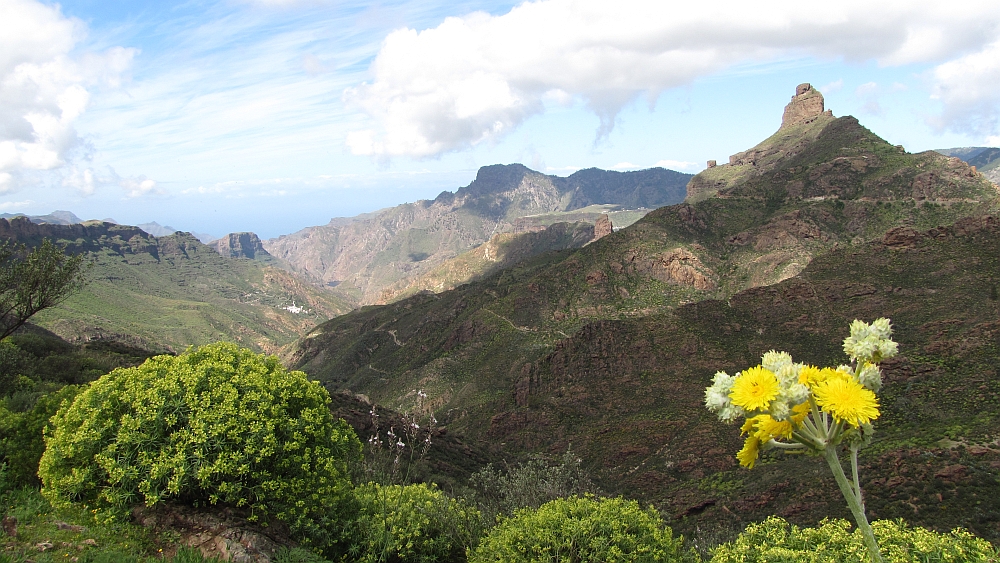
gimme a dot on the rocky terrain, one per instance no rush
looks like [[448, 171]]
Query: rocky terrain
[[609, 347], [985, 159], [167, 293], [365, 256], [241, 245]]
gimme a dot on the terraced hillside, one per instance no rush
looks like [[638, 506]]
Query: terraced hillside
[[167, 293]]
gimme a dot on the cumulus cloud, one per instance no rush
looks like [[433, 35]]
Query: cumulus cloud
[[968, 90], [475, 78], [86, 181], [682, 165], [44, 87], [15, 205]]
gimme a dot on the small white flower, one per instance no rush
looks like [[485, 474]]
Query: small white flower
[[775, 361], [871, 377]]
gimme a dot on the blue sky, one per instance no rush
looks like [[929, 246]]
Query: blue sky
[[273, 115]]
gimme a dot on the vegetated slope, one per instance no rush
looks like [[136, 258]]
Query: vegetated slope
[[171, 292], [845, 188], [364, 255], [609, 347], [629, 394]]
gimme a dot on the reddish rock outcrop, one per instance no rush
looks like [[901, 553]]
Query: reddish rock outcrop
[[683, 268], [603, 227], [240, 245], [806, 105]]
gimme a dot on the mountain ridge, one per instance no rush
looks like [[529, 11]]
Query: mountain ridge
[[363, 256]]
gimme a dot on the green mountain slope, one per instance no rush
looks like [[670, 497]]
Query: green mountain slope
[[609, 347], [171, 292]]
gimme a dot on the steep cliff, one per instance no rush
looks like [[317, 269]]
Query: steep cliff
[[241, 245]]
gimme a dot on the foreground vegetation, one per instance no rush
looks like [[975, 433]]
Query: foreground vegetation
[[221, 427]]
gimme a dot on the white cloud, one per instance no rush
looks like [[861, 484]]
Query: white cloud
[[832, 86], [680, 165], [14, 205], [968, 89], [475, 78], [625, 166], [44, 89], [868, 94], [86, 181], [138, 186]]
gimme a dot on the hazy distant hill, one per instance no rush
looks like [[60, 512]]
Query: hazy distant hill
[[609, 347], [363, 256], [167, 293], [158, 230], [54, 218]]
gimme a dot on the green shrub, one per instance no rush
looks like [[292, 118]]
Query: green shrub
[[529, 485], [217, 424], [775, 540], [583, 529], [21, 443], [412, 523]]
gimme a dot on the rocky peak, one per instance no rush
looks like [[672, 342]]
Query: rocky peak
[[603, 227], [240, 245], [806, 105], [802, 122]]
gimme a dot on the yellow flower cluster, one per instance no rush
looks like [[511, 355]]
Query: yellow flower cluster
[[790, 405]]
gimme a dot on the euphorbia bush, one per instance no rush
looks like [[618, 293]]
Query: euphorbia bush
[[582, 530], [833, 541], [218, 424], [411, 524]]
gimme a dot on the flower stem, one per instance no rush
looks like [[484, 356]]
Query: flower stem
[[854, 470], [853, 502]]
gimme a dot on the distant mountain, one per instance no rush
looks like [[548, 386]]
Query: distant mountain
[[609, 347], [54, 218], [171, 292], [363, 256], [158, 230]]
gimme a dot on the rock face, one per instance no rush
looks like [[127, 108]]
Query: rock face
[[219, 533], [240, 245], [806, 105], [603, 227]]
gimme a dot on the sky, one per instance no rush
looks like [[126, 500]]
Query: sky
[[273, 115]]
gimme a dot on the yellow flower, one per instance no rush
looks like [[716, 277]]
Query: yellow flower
[[748, 455], [800, 412], [847, 400], [768, 428], [754, 389], [811, 376]]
